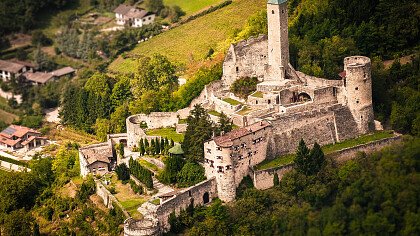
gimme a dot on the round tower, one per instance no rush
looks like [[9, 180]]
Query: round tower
[[358, 85]]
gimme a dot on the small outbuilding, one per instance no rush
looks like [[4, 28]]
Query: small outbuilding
[[176, 150]]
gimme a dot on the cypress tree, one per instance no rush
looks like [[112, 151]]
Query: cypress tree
[[316, 160], [141, 145], [276, 180], [162, 145], [172, 143], [157, 146], [146, 146], [152, 147]]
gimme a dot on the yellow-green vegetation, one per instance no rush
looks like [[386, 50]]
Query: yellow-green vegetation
[[182, 121], [328, 149], [245, 110], [257, 94], [131, 207], [7, 117], [190, 7], [192, 41], [215, 113], [231, 101], [277, 162], [169, 133], [69, 134], [155, 201], [357, 141], [148, 165]]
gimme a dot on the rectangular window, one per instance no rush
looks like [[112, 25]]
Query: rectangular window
[[208, 150]]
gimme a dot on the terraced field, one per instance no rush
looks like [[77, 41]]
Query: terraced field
[[192, 6], [191, 42]]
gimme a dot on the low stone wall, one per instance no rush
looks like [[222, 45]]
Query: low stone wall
[[145, 227], [198, 194], [108, 198], [181, 128], [350, 153], [12, 167], [263, 179]]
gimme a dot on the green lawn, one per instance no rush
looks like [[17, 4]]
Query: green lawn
[[169, 133], [231, 101], [327, 149], [131, 207], [191, 41], [258, 94], [192, 6], [245, 110], [357, 141], [214, 113], [280, 161], [149, 165]]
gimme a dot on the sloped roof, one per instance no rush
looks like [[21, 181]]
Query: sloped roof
[[38, 77], [227, 139], [136, 13], [9, 66], [101, 153], [17, 130], [123, 9], [276, 1], [63, 71]]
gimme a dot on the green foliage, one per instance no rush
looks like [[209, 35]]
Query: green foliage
[[375, 194], [72, 43], [200, 129], [17, 222], [276, 180], [87, 188], [142, 174], [136, 188], [309, 162], [190, 174], [154, 5], [243, 87], [123, 172], [65, 164], [224, 125], [39, 38], [173, 165]]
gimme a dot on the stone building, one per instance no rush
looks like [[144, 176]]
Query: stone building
[[96, 159], [229, 157], [133, 16]]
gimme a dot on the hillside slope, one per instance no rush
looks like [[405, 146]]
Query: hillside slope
[[193, 40]]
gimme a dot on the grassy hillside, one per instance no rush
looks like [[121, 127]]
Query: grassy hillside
[[191, 7], [192, 41]]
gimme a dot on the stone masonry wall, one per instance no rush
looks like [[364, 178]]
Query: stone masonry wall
[[264, 179], [183, 199]]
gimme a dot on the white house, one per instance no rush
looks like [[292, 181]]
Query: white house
[[10, 69], [132, 16]]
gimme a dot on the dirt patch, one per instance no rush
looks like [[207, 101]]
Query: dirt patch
[[20, 40], [98, 202], [403, 61], [69, 190]]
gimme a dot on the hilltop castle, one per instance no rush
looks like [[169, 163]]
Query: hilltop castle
[[287, 106]]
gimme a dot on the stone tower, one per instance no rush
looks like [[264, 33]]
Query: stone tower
[[278, 39], [358, 86]]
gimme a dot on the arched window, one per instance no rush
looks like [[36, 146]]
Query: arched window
[[206, 198], [272, 12]]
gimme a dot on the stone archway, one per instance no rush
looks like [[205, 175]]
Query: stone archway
[[206, 198], [304, 97]]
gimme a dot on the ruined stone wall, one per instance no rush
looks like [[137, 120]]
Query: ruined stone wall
[[225, 107], [313, 126], [246, 59], [183, 199], [264, 179], [325, 95], [145, 227]]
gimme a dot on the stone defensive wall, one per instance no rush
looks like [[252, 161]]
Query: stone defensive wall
[[313, 81], [145, 227], [199, 194], [319, 125], [264, 179]]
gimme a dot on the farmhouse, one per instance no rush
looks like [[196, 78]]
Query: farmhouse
[[96, 159], [9, 69], [16, 137], [133, 16]]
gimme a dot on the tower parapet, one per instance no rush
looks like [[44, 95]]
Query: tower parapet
[[358, 86]]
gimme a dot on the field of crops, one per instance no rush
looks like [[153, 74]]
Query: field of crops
[[191, 42]]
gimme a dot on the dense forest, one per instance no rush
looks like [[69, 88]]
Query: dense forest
[[370, 195]]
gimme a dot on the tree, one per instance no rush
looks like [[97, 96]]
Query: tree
[[302, 156], [102, 129], [154, 5], [276, 180], [121, 92], [157, 146], [224, 125], [243, 87], [317, 159], [200, 129], [123, 172], [173, 165], [18, 222], [41, 59], [190, 174], [153, 147], [39, 38]]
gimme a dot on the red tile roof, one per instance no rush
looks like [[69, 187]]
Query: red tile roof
[[227, 139]]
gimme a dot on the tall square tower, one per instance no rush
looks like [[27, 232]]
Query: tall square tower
[[278, 38]]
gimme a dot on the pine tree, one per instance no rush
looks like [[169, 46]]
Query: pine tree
[[316, 160], [157, 146], [301, 159], [225, 124], [276, 180], [172, 143], [146, 146], [141, 145]]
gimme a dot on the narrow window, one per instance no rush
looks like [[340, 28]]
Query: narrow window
[[269, 101], [357, 88], [282, 11], [237, 69], [272, 12]]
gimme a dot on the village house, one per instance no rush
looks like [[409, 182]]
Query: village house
[[16, 137], [9, 69], [39, 78], [133, 16], [96, 159]]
